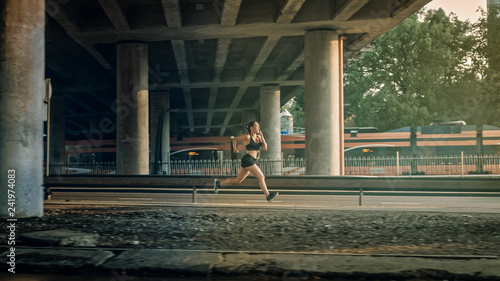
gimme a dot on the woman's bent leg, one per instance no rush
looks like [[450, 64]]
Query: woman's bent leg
[[242, 174], [256, 172]]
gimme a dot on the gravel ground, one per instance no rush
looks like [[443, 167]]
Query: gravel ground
[[248, 229]]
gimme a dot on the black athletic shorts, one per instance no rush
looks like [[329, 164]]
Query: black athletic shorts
[[247, 161]]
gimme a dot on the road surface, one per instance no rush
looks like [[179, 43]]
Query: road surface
[[205, 197]]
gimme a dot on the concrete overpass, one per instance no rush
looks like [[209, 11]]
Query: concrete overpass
[[115, 64], [212, 56]]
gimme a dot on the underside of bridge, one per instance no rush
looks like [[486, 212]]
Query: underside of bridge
[[116, 66], [211, 56]]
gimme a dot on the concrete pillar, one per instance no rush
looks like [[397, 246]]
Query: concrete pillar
[[132, 127], [22, 91], [246, 117], [271, 125], [159, 102], [324, 103], [57, 144]]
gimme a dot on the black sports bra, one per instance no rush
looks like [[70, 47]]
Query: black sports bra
[[252, 145]]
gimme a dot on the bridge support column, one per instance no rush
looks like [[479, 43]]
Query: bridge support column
[[324, 103], [270, 124], [159, 102], [22, 91], [57, 130], [132, 134]]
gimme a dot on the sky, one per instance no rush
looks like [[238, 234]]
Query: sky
[[465, 9]]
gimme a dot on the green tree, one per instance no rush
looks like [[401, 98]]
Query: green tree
[[414, 75], [482, 103], [431, 66]]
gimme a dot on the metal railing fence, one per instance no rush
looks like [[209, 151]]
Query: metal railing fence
[[374, 166], [423, 165]]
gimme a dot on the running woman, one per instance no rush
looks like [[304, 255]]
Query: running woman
[[253, 141]]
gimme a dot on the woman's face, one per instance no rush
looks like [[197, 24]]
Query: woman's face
[[255, 128]]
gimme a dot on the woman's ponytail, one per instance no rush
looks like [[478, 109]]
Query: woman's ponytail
[[250, 125]]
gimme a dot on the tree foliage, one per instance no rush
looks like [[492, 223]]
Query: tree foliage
[[482, 106], [430, 67], [415, 74]]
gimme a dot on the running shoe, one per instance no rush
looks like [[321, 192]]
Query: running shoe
[[271, 196], [216, 185]]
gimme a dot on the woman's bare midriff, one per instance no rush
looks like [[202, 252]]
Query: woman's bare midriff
[[253, 153]]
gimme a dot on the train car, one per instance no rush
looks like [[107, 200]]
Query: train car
[[358, 142]]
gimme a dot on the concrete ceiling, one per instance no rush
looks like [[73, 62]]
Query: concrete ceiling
[[211, 55]]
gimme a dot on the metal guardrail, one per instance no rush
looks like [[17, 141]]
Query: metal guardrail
[[423, 165], [374, 166], [299, 185]]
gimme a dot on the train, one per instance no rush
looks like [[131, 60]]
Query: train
[[441, 139]]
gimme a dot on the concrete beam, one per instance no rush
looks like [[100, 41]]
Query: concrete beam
[[232, 108], [259, 61], [230, 12], [74, 114], [220, 61], [115, 14], [182, 66], [203, 127], [221, 57], [69, 75], [289, 10], [211, 104], [299, 60], [59, 14], [207, 32], [166, 86], [181, 60], [264, 53], [62, 17], [348, 9], [172, 13]]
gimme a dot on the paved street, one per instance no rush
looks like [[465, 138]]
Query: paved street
[[205, 197]]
